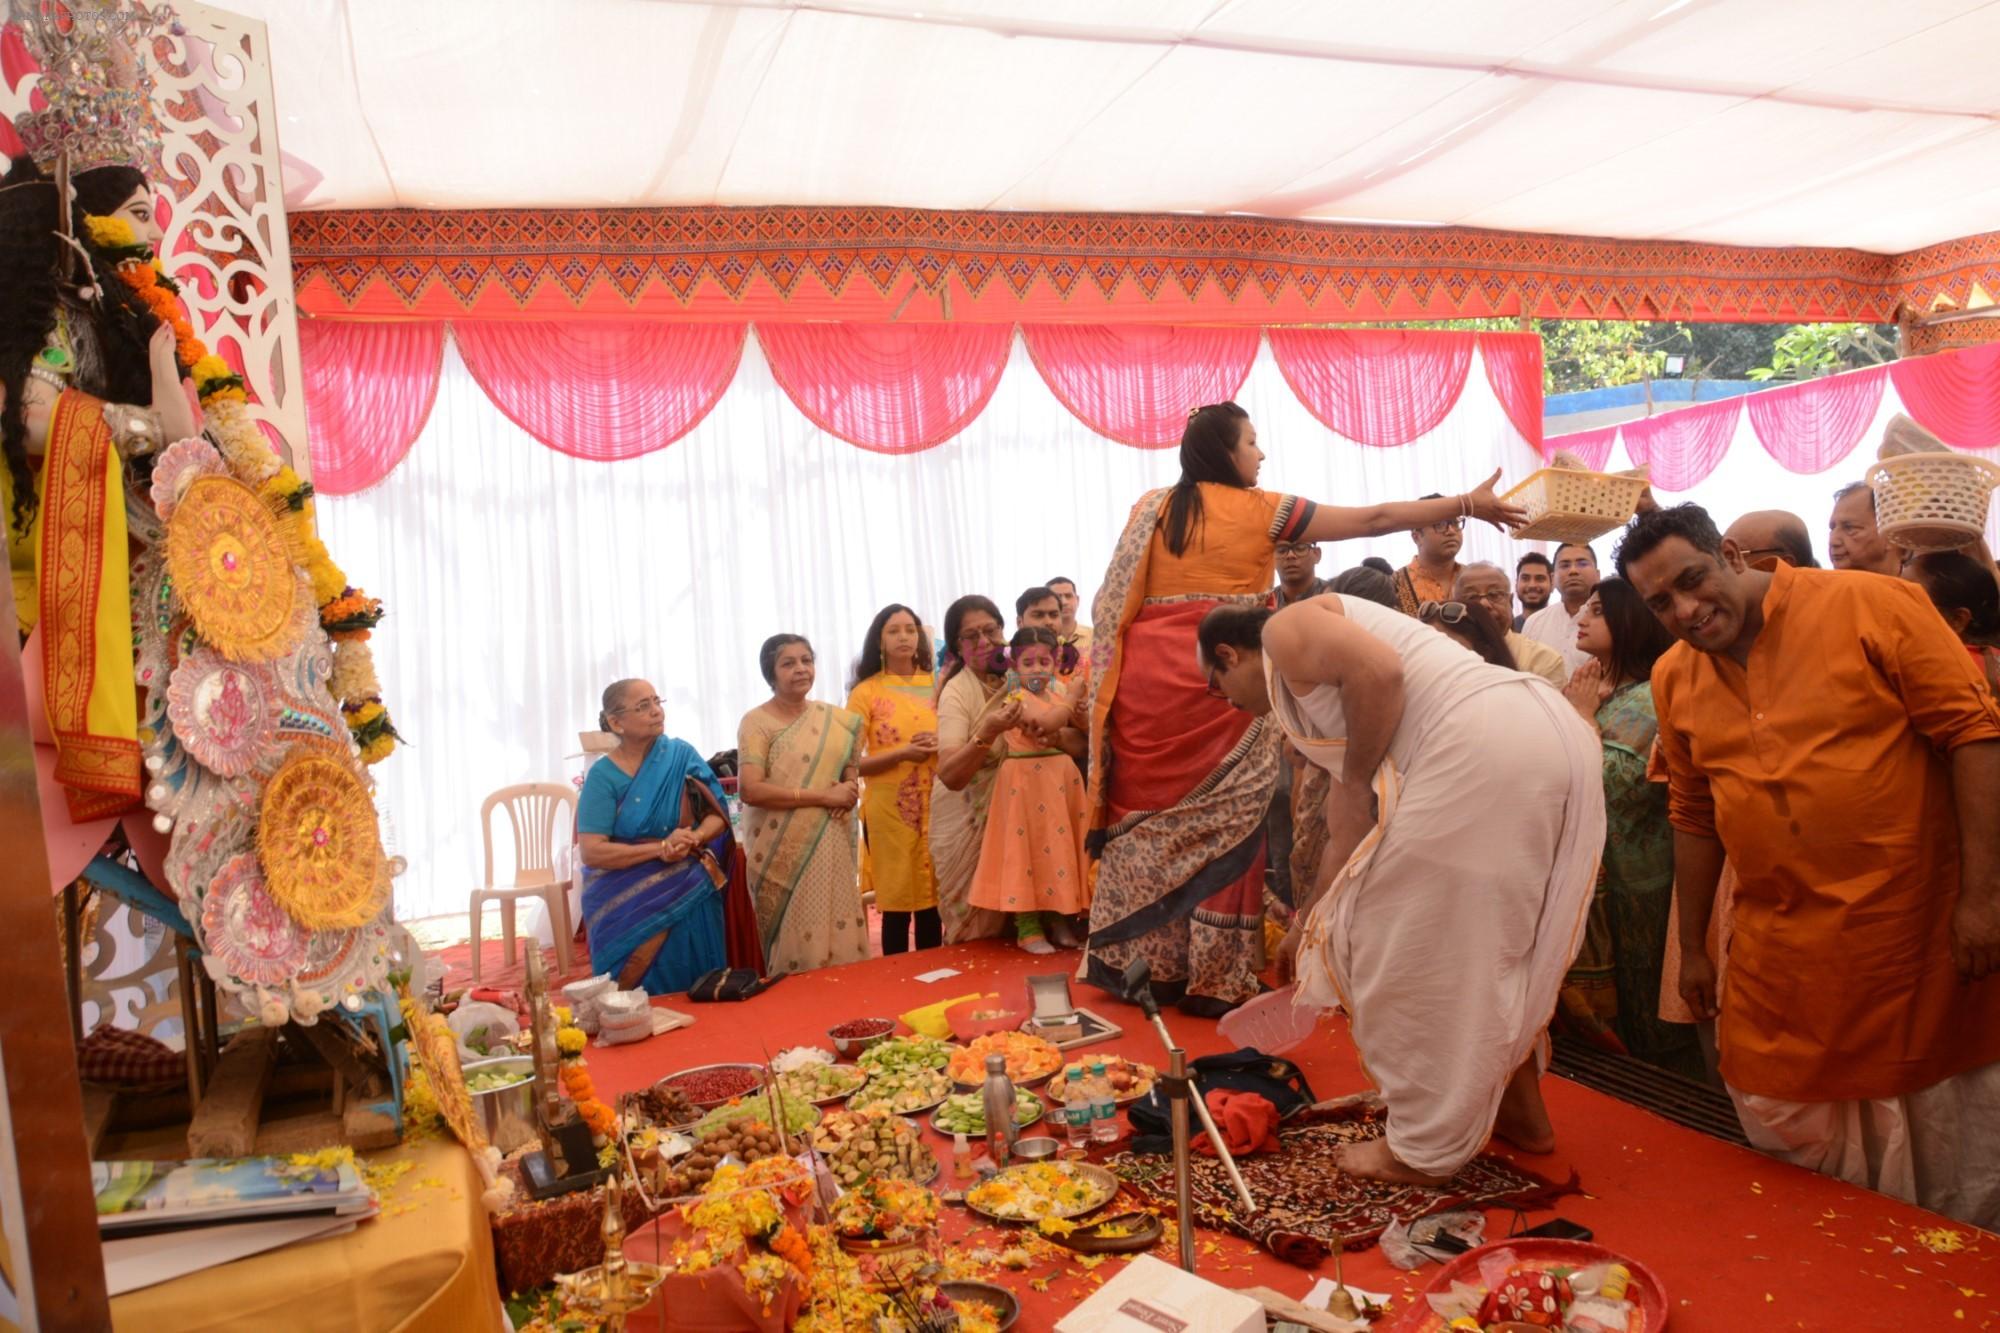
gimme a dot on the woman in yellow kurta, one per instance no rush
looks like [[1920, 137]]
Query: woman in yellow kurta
[[899, 760]]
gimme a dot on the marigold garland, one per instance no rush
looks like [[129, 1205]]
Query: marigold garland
[[346, 613], [603, 1121]]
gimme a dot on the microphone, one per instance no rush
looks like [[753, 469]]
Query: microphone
[[1137, 980]]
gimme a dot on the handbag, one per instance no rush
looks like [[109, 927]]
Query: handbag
[[1244, 1070], [730, 983]]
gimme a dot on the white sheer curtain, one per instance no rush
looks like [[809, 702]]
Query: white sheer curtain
[[1748, 478], [521, 581]]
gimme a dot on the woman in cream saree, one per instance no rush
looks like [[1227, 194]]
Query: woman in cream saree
[[797, 759]]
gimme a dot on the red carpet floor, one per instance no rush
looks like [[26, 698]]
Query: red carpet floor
[[1739, 1240]]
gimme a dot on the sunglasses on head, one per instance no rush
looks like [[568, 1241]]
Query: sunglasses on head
[[1449, 612]]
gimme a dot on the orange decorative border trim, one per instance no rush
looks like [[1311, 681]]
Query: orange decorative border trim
[[101, 774], [871, 263]]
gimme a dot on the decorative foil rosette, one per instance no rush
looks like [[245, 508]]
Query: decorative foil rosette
[[232, 571], [177, 468], [246, 934], [226, 713], [317, 839]]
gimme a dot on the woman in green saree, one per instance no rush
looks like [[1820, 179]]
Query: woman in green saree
[[797, 764], [1626, 940]]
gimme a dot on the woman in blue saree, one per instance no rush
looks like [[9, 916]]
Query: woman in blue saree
[[653, 832]]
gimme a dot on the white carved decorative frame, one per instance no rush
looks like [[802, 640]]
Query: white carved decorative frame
[[226, 241]]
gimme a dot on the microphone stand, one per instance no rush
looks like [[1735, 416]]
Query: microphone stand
[[1179, 1088]]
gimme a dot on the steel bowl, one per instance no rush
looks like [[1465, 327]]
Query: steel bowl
[[506, 1114], [1037, 1149], [849, 1047]]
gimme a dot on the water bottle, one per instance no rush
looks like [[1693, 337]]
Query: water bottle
[[1103, 1108], [997, 1100], [1076, 1109]]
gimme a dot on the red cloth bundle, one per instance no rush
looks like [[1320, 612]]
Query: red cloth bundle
[[123, 1058], [1247, 1120]]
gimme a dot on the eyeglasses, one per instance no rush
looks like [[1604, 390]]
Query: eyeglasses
[[1448, 525], [1767, 558], [1498, 597], [1449, 612], [656, 703], [991, 635], [1302, 548]]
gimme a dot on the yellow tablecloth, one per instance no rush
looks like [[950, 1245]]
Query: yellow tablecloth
[[424, 1265]]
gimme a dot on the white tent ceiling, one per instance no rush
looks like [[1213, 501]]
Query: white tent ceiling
[[1867, 123]]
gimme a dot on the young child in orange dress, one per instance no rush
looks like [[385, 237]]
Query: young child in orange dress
[[1032, 859]]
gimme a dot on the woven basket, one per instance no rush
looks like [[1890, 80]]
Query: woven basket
[[1569, 505], [1932, 502]]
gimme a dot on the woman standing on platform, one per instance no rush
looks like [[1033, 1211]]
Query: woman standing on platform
[[653, 831], [797, 761], [973, 717], [1625, 935], [892, 697], [1179, 781]]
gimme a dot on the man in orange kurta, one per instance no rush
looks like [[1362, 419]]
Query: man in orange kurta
[[1829, 732]]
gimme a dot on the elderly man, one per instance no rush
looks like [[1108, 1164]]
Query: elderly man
[[1767, 538], [1483, 584], [1833, 736], [1555, 624], [1852, 539], [1428, 576]]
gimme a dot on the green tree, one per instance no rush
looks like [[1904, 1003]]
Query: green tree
[[1807, 351]]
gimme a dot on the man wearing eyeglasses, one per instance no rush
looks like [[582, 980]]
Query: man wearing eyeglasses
[[1771, 537], [1555, 624], [1482, 584], [1429, 575], [1298, 578]]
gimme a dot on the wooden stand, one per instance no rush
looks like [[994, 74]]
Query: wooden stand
[[271, 1091]]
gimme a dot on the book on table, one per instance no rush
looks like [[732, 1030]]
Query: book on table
[[134, 1198]]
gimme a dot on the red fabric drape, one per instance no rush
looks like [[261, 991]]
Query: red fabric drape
[[369, 391], [1682, 448], [1954, 394], [1136, 383], [1513, 364], [1382, 387], [602, 390], [1592, 446], [893, 388], [1811, 426]]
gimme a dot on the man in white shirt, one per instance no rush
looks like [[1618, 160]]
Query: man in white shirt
[[1555, 624]]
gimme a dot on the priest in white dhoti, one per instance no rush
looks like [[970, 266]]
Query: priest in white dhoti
[[1465, 821]]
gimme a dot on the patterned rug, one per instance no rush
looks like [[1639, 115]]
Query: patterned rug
[[1307, 1205]]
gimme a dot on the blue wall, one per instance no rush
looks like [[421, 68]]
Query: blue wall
[[1664, 391]]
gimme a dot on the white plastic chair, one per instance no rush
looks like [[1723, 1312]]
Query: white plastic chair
[[535, 812]]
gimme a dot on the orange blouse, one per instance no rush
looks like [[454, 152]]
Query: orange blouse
[[1234, 551], [1823, 770]]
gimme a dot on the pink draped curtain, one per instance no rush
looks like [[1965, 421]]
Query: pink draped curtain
[[369, 390], [1383, 387], [892, 388], [1955, 394], [1811, 426], [602, 390], [1592, 446], [1136, 383], [1680, 449], [1513, 364]]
